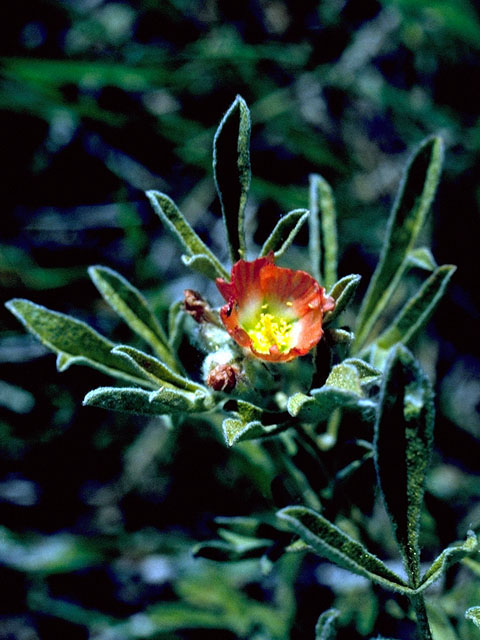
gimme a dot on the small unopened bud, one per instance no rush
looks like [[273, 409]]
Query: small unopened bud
[[223, 377], [198, 308]]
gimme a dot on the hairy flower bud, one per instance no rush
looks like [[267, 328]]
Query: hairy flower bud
[[223, 377]]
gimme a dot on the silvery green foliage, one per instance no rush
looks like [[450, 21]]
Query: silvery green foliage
[[365, 371]]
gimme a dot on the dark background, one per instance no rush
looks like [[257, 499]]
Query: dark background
[[100, 101]]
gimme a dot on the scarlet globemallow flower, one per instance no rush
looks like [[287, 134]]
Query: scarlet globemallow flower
[[274, 313]]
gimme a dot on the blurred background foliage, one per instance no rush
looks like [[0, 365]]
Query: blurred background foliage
[[101, 100]]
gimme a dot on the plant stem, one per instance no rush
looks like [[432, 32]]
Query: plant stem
[[422, 620]]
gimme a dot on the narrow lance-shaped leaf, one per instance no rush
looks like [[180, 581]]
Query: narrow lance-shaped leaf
[[141, 402], [231, 166], [176, 223], [416, 313], [403, 445], [342, 292], [157, 371], [411, 206], [334, 544], [284, 233], [132, 307], [323, 244], [73, 341]]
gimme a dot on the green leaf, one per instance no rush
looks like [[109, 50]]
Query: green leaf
[[231, 166], [452, 554], [342, 292], [408, 215], [176, 223], [236, 548], [367, 373], [473, 614], [176, 322], [157, 371], [203, 264], [137, 401], [284, 233], [334, 544], [322, 402], [344, 376], [422, 258], [403, 446], [326, 627], [415, 314], [323, 231], [132, 307], [252, 422], [73, 341]]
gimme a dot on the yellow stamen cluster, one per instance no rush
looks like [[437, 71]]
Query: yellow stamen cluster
[[270, 331]]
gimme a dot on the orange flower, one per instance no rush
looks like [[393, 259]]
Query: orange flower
[[273, 312]]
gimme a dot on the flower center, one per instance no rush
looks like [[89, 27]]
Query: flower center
[[271, 331]]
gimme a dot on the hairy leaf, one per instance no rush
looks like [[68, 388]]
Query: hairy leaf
[[176, 223], [408, 215], [137, 401], [73, 341], [323, 231], [157, 371], [415, 314], [342, 292], [403, 446], [252, 422], [334, 544], [231, 166], [132, 307], [422, 258], [203, 264], [452, 554], [284, 233]]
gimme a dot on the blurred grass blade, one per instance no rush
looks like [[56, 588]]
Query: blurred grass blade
[[342, 292], [73, 341], [422, 258], [403, 446], [132, 307], [411, 206], [323, 243], [416, 313], [138, 401], [176, 223], [284, 233], [326, 627], [332, 543], [231, 166]]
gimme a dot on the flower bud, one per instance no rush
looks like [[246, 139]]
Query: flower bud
[[223, 377]]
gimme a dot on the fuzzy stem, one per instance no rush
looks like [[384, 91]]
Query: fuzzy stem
[[422, 620]]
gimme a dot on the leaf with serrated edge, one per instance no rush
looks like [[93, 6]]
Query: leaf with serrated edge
[[137, 401], [73, 341], [177, 224], [403, 445], [326, 627], [416, 313], [132, 307], [408, 215], [157, 371], [334, 544], [323, 231], [231, 167], [284, 233], [342, 292], [473, 614]]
